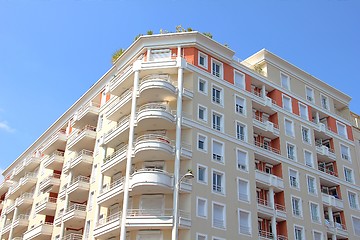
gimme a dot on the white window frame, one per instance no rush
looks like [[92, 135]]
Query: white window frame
[[243, 79], [205, 182], [221, 66], [322, 96], [205, 210], [352, 221], [222, 192], [292, 127], [297, 179], [312, 158], [309, 98], [247, 190], [205, 142], [249, 222], [224, 215], [288, 87], [244, 107], [245, 131], [321, 234], [221, 121], [287, 151], [356, 207], [306, 117], [201, 235], [221, 98], [315, 193], [205, 92], [352, 175], [206, 60], [348, 157], [300, 207], [246, 160], [205, 119], [317, 212], [337, 129], [283, 105], [309, 135], [302, 232], [222, 156]]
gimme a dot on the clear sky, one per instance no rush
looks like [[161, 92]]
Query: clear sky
[[52, 51]]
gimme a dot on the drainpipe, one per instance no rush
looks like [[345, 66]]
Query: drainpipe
[[136, 67], [174, 232]]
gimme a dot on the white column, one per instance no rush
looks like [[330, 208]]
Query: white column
[[317, 117], [3, 219], [273, 227], [331, 216], [136, 68], [12, 222], [333, 237], [148, 54], [62, 227], [263, 91], [174, 232], [271, 197]]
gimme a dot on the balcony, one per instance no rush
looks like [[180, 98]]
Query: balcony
[[108, 227], [265, 209], [111, 193], [73, 236], [336, 228], [121, 80], [260, 101], [328, 170], [325, 151], [332, 201], [119, 107], [75, 215], [20, 224], [54, 161], [50, 182], [86, 115], [46, 207], [269, 129], [25, 200], [151, 181], [265, 235], [115, 161], [28, 165], [266, 147], [155, 218], [156, 88], [78, 189], [55, 142], [269, 180], [83, 139], [40, 232], [24, 184], [81, 164], [153, 146], [4, 186], [6, 229], [155, 116], [118, 134]]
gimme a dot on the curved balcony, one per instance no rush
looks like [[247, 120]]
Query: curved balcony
[[114, 162], [111, 193], [40, 232], [153, 146], [46, 207], [119, 106], [82, 163], [75, 215], [155, 116], [108, 227], [78, 189], [56, 141], [151, 181], [54, 161], [118, 134], [83, 139], [86, 115], [52, 181], [156, 88]]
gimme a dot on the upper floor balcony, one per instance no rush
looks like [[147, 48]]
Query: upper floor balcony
[[268, 129], [265, 179], [73, 236], [4, 186], [47, 206], [27, 165], [332, 201], [111, 193], [122, 79], [262, 99], [42, 231], [81, 164], [25, 200], [78, 189], [155, 116], [114, 162], [74, 216], [86, 115], [267, 146], [118, 134], [25, 183], [82, 139], [20, 224], [55, 142], [54, 161], [324, 151], [50, 182], [328, 168], [336, 225], [108, 227], [118, 107]]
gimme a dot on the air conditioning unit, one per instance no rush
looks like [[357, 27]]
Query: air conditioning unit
[[322, 127], [325, 150]]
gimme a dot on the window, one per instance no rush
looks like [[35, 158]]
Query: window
[[317, 235], [341, 129], [202, 113], [91, 201], [303, 109], [348, 175], [202, 86], [96, 148], [201, 207], [217, 151], [217, 69], [218, 215], [239, 80], [296, 206], [217, 121], [200, 236], [100, 123], [311, 183], [356, 225], [160, 54], [240, 131], [242, 161], [202, 143], [240, 105], [202, 174], [285, 81], [314, 211], [217, 95], [345, 152], [324, 102], [203, 60], [291, 151], [305, 133], [289, 128], [218, 182], [353, 200], [243, 190], [287, 103], [309, 94], [294, 178], [298, 231], [244, 222], [94, 173], [309, 160]]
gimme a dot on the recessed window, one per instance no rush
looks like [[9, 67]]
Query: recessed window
[[202, 174], [305, 133], [217, 95], [356, 225], [348, 175], [218, 182], [341, 129], [296, 206], [287, 103], [294, 178], [200, 236], [244, 222], [240, 105], [324, 102], [345, 152], [202, 87], [311, 183], [202, 143], [315, 213], [217, 121], [218, 216], [217, 151], [291, 151], [201, 208], [353, 200], [202, 113], [243, 190], [309, 94], [285, 81], [100, 122], [308, 157], [203, 60], [299, 233], [303, 110], [317, 235], [289, 128], [217, 69], [239, 80], [240, 131], [242, 161]]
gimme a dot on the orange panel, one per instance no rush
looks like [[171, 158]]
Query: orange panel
[[350, 133], [228, 73], [277, 170], [277, 96], [331, 122], [295, 106], [248, 83], [190, 54]]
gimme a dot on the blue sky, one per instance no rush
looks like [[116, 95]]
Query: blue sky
[[52, 51]]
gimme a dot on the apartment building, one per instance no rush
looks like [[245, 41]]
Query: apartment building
[[274, 153]]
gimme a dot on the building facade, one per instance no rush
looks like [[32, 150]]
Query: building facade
[[274, 153]]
